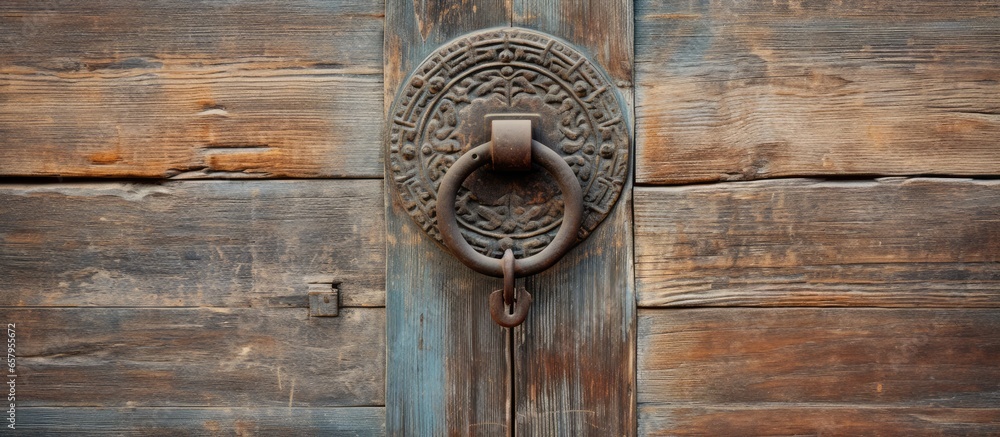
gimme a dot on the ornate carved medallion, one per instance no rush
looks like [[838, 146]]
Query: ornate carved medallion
[[442, 111]]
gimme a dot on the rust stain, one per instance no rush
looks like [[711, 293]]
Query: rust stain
[[244, 428], [212, 426], [671, 16], [243, 159], [420, 14], [826, 82], [207, 104], [105, 158], [962, 125], [24, 238], [878, 136]]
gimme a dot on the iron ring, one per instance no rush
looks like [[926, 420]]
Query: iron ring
[[560, 244]]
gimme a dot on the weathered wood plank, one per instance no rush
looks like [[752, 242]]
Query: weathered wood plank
[[196, 243], [154, 89], [574, 355], [73, 36], [146, 357], [604, 28], [891, 242], [414, 30], [448, 372], [344, 421], [737, 90], [740, 370], [834, 420], [209, 122]]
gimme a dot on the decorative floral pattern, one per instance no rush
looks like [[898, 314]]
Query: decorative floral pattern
[[498, 72]]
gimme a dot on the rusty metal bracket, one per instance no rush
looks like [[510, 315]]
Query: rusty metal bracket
[[509, 306], [323, 302], [510, 146], [518, 309]]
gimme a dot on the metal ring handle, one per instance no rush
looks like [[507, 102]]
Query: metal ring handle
[[564, 239]]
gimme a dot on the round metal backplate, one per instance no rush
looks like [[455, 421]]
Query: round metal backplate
[[446, 107]]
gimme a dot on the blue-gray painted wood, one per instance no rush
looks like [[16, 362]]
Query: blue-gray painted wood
[[447, 361], [574, 355]]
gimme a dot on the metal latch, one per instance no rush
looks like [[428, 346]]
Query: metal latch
[[507, 146], [512, 151]]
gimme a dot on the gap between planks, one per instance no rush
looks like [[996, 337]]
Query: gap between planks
[[198, 407], [268, 307], [818, 178], [47, 180], [809, 307]]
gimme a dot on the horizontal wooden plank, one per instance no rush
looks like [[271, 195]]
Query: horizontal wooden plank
[[156, 89], [143, 422], [891, 242], [738, 90], [193, 123], [146, 357], [74, 35], [866, 356], [193, 243], [660, 420]]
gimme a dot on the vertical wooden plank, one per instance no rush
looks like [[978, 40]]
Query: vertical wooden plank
[[447, 372], [574, 355], [601, 28]]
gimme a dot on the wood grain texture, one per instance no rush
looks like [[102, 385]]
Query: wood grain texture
[[143, 422], [574, 355], [415, 29], [447, 361], [602, 29], [180, 357], [730, 371], [739, 90], [159, 89], [833, 420], [195, 243], [892, 242]]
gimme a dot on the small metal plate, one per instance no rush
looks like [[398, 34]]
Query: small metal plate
[[446, 107], [323, 302]]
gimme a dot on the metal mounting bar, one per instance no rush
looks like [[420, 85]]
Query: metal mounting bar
[[510, 145]]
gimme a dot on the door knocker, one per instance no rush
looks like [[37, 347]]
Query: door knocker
[[508, 147]]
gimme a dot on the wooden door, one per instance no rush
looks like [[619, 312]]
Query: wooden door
[[198, 232], [568, 370]]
